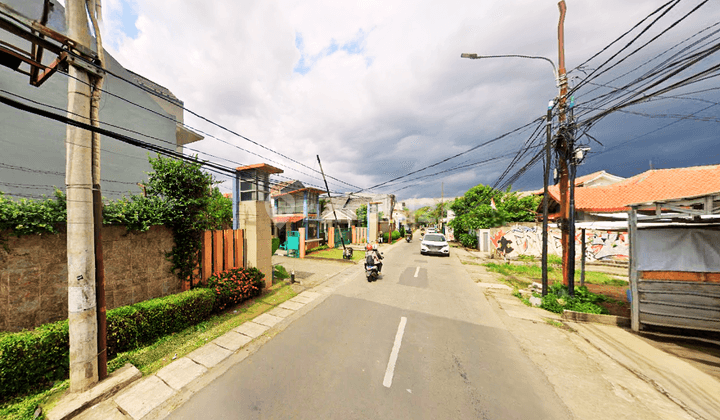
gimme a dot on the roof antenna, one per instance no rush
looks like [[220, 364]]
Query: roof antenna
[[651, 167]]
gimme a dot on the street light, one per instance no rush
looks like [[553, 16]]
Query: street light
[[534, 57], [548, 125]]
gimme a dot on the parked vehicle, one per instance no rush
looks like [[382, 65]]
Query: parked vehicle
[[435, 243]]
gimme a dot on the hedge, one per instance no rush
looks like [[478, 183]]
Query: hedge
[[133, 326], [36, 358]]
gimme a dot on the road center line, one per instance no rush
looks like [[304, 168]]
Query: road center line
[[394, 353], [417, 270]]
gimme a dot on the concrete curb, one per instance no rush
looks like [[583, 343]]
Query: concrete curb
[[618, 321]]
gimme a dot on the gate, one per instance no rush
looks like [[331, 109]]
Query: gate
[[346, 234]]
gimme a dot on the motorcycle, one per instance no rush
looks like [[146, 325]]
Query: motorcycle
[[372, 270], [408, 237]]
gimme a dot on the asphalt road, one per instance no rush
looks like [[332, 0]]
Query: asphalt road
[[420, 343]]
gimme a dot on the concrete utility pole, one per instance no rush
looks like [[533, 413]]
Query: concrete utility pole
[[82, 309]]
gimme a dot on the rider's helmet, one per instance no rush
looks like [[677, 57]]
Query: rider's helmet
[[369, 247]]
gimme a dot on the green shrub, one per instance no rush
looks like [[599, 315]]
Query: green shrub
[[395, 236], [133, 326], [275, 245], [279, 272], [558, 299], [235, 285], [467, 240], [33, 359]]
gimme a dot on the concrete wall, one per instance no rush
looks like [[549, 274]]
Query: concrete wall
[[526, 239], [33, 274]]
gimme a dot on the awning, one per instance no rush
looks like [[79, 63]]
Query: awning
[[288, 219]]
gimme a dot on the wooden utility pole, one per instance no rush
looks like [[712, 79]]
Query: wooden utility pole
[[562, 147], [82, 305]]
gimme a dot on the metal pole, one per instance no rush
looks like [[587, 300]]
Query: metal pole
[[546, 199], [582, 268], [82, 305], [571, 225], [342, 241], [236, 200]]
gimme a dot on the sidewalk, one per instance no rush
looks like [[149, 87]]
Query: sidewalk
[[602, 371], [129, 396]]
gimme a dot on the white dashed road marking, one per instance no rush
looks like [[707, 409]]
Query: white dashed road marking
[[390, 371]]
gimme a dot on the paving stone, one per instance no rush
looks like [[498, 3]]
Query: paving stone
[[180, 372], [209, 355], [291, 305], [301, 299], [282, 313], [232, 340], [144, 396], [106, 410], [70, 404], [309, 294], [267, 319], [251, 329]]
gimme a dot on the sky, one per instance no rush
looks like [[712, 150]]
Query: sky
[[378, 89]]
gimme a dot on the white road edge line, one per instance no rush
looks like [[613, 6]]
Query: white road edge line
[[417, 270], [389, 372]]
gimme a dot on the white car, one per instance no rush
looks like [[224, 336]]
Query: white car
[[435, 243]]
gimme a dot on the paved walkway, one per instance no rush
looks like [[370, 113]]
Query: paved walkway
[[590, 364]]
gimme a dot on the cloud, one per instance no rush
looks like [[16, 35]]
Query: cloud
[[378, 88]]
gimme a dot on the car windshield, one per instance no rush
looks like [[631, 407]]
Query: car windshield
[[434, 238]]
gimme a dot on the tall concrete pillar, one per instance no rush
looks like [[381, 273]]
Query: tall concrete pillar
[[254, 218]]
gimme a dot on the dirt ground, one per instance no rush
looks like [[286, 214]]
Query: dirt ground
[[619, 308]]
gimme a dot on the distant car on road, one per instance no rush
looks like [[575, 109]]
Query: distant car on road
[[434, 243]]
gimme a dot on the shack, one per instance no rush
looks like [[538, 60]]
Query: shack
[[675, 263]]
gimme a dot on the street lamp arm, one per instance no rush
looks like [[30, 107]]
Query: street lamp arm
[[477, 57]]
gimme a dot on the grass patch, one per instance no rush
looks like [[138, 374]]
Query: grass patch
[[159, 354], [470, 262], [554, 259], [533, 272], [555, 323], [524, 257], [336, 254], [23, 408]]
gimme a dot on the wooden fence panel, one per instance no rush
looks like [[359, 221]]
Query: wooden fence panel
[[229, 248], [206, 256], [217, 251], [221, 250]]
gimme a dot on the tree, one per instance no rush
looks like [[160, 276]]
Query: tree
[[423, 215], [361, 214], [474, 211]]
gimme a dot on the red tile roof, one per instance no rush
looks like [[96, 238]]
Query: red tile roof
[[288, 218], [653, 185]]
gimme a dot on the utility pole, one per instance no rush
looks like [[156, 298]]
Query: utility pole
[[442, 208], [82, 305], [546, 198], [95, 13], [564, 149]]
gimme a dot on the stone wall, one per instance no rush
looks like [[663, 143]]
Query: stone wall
[[33, 274]]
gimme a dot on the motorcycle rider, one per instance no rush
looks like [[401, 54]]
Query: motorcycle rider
[[372, 252]]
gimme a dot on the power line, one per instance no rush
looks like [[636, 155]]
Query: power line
[[456, 155], [152, 92]]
